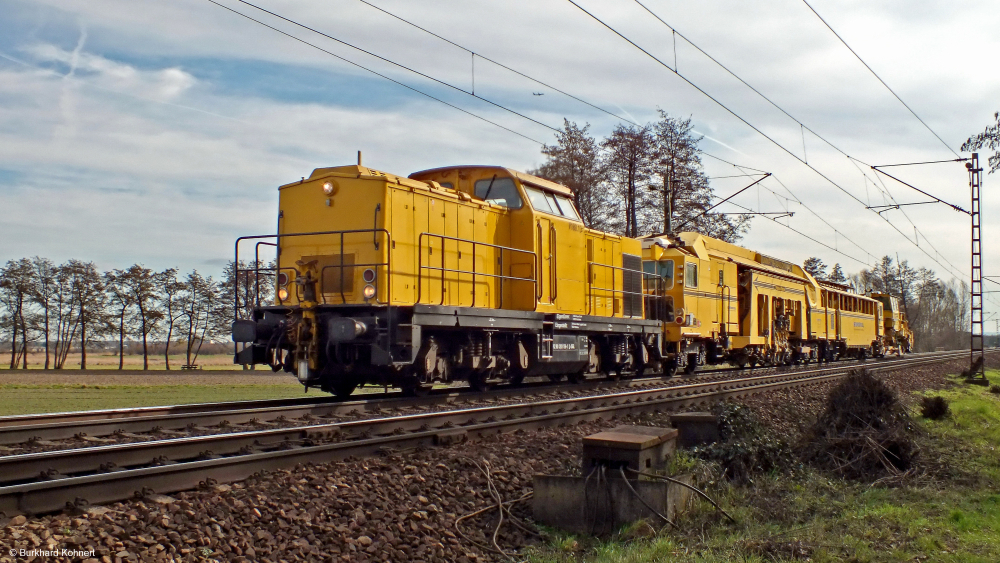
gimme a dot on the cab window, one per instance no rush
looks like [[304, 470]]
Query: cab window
[[664, 270], [501, 192], [538, 201], [566, 206], [691, 275]]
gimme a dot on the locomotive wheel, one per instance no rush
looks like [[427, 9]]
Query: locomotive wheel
[[343, 388], [577, 377], [669, 369], [516, 379], [478, 381], [417, 390], [556, 377], [692, 364]]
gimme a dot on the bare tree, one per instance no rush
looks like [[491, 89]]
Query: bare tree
[[253, 284], [170, 306], [684, 190], [16, 280], [144, 287], [628, 159], [199, 305], [121, 301], [575, 162], [41, 295]]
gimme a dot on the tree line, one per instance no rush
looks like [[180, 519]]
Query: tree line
[[632, 180], [938, 311], [67, 307]]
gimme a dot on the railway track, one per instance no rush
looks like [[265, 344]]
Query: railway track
[[50, 481], [89, 427], [44, 431]]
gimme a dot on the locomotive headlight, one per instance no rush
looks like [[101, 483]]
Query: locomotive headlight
[[282, 279], [368, 291], [282, 294], [329, 188], [368, 275]]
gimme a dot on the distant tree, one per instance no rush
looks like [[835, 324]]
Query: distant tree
[[41, 294], [16, 281], [144, 287], [92, 301], [628, 159], [120, 302], [574, 161], [65, 306], [200, 302], [253, 284], [170, 306], [990, 137], [684, 185], [815, 267], [837, 274]]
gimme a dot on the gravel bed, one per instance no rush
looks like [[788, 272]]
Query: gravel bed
[[400, 506]]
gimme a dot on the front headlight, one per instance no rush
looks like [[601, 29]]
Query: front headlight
[[368, 291], [282, 294]]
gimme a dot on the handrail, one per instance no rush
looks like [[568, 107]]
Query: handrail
[[280, 236], [643, 292], [474, 272]]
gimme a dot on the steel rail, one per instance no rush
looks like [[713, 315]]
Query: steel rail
[[293, 446], [20, 429]]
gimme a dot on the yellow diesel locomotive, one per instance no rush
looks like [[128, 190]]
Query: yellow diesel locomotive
[[719, 302], [476, 273]]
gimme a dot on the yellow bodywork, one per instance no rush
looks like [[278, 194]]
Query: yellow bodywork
[[732, 299], [432, 239]]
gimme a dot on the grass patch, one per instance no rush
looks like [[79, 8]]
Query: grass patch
[[29, 399], [950, 511]]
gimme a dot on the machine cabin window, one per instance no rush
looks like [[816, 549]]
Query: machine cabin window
[[553, 204], [664, 270], [691, 275], [502, 192]]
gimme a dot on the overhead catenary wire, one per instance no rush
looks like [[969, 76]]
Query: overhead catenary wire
[[499, 64], [740, 118], [400, 65], [376, 73], [802, 126], [879, 78]]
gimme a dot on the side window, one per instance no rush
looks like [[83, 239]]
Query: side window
[[538, 201], [667, 273], [448, 185], [501, 191], [691, 275], [566, 206]]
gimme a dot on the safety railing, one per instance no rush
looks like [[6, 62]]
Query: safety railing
[[474, 272], [639, 299], [657, 305], [269, 271]]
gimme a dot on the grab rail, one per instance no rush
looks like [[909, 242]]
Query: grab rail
[[474, 272]]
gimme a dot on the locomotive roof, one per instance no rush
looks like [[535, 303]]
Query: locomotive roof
[[522, 176]]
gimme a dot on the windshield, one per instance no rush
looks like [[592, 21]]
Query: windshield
[[664, 269], [500, 191]]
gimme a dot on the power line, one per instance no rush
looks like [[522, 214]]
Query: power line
[[501, 65], [719, 103], [880, 79], [802, 125], [734, 114], [381, 58], [408, 87]]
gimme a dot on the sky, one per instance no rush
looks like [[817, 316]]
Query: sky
[[155, 132]]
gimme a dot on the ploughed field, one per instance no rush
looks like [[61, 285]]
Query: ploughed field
[[404, 505]]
